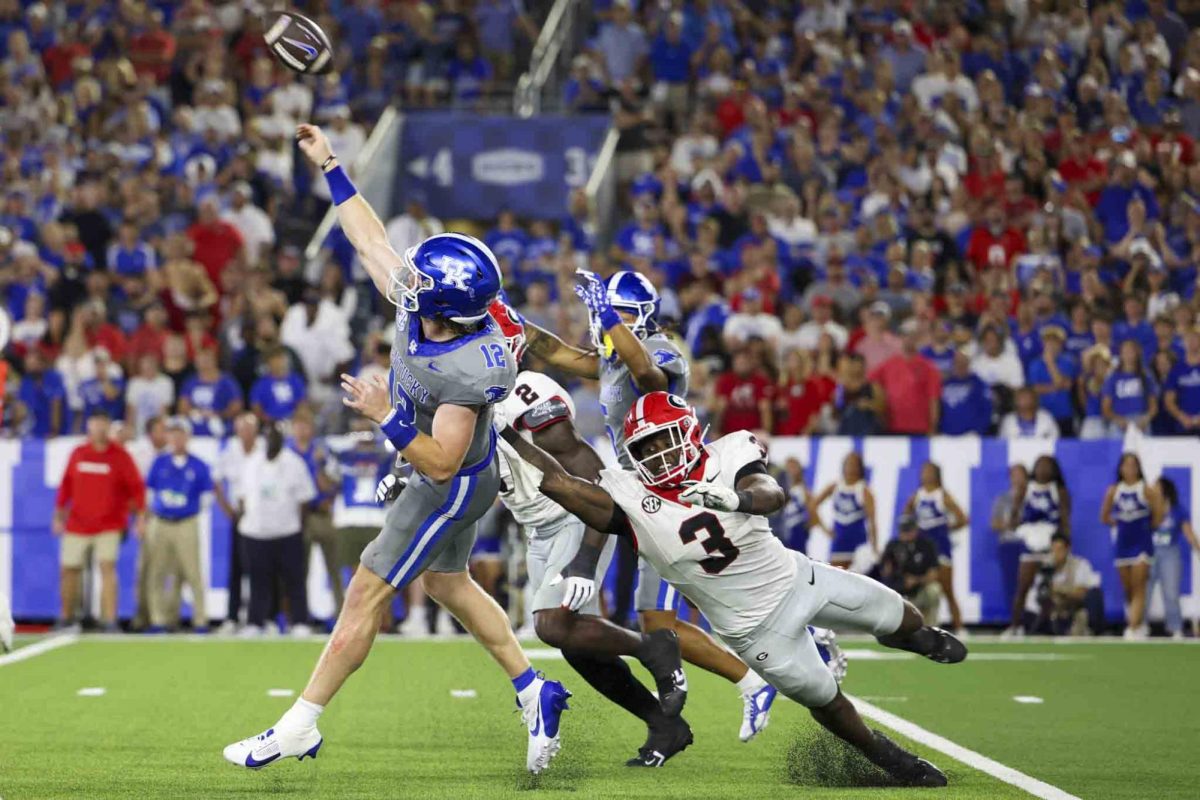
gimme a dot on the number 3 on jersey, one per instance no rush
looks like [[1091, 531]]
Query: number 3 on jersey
[[716, 542], [493, 355]]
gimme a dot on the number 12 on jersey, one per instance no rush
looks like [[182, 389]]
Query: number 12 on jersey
[[493, 355]]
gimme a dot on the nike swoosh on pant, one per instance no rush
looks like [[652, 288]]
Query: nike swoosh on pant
[[813, 579]]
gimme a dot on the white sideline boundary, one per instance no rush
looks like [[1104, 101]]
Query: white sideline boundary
[[969, 757], [37, 648]]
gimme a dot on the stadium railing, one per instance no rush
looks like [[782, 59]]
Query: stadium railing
[[601, 190], [539, 89]]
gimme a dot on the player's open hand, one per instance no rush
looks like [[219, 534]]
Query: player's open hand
[[592, 292], [313, 144], [577, 592], [371, 398], [710, 495]]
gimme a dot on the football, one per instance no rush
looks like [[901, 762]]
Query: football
[[299, 43]]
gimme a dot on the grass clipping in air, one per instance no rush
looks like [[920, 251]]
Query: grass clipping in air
[[816, 757]]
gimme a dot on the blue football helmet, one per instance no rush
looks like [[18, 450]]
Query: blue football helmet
[[630, 293], [449, 275]]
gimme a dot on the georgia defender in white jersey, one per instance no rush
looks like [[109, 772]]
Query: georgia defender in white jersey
[[567, 612], [697, 513]]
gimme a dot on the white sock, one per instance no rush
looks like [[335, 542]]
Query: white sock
[[530, 693], [301, 716], [751, 682]]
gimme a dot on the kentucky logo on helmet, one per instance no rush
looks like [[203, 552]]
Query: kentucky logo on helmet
[[453, 273]]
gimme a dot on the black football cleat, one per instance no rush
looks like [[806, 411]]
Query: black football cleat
[[659, 653], [904, 767], [948, 650], [665, 739]]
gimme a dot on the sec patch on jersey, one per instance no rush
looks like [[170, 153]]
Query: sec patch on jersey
[[299, 43]]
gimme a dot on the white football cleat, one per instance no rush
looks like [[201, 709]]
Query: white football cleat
[[756, 711], [831, 652], [272, 745], [541, 717]]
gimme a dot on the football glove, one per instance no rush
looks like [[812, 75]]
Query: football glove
[[710, 495], [577, 591], [390, 488], [591, 291]]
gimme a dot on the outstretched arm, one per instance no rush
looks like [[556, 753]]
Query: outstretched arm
[[647, 376], [582, 498], [359, 221], [557, 353]]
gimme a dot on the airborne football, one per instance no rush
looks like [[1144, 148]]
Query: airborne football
[[497, 399]]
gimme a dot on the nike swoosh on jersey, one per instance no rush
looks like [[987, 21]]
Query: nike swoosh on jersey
[[432, 366]]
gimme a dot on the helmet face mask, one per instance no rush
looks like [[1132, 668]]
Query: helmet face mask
[[663, 439], [407, 283], [636, 300]]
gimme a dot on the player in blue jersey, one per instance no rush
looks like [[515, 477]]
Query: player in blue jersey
[[937, 514], [853, 512], [1134, 508], [1042, 509], [449, 366], [632, 357]]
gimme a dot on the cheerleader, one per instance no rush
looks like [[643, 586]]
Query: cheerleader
[[853, 512], [1135, 509], [1040, 511], [937, 514]]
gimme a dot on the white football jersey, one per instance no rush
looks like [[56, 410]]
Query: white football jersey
[[535, 401], [729, 564]]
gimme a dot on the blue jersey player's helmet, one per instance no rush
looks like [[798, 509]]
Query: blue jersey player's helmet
[[630, 293], [449, 275]]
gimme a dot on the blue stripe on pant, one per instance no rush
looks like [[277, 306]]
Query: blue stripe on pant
[[431, 530]]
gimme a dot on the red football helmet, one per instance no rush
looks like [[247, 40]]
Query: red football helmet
[[511, 325], [670, 461]]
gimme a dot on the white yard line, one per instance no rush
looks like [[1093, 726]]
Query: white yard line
[[37, 648], [956, 751]]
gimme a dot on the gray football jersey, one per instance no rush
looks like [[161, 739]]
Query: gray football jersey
[[473, 370], [618, 391]]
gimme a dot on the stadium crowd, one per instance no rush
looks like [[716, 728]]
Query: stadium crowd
[[942, 217]]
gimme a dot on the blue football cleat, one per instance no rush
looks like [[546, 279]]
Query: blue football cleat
[[272, 745], [542, 716]]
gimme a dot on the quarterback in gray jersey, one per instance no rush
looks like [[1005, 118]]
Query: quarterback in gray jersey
[[450, 365], [632, 358]]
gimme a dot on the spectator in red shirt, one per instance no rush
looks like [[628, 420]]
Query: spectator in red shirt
[[216, 243], [985, 181], [876, 344], [149, 338], [1080, 168], [152, 49], [742, 397], [99, 332], [995, 243], [912, 385], [99, 489], [800, 396]]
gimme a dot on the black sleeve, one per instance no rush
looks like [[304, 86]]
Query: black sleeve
[[618, 525], [753, 468]]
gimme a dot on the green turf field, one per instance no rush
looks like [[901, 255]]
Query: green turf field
[[1116, 721]]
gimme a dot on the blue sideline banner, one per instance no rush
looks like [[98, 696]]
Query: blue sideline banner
[[470, 166], [975, 471]]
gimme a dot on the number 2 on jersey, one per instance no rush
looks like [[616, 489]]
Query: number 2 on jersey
[[722, 547]]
